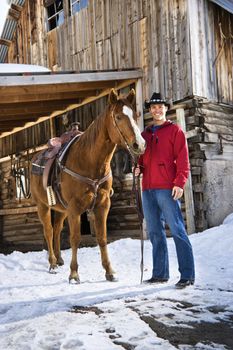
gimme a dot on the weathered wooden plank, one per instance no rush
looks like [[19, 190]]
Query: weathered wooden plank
[[188, 191], [18, 211], [219, 129]]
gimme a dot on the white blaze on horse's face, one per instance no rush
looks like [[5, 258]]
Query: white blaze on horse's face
[[139, 139]]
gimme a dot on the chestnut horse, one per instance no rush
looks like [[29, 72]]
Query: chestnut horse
[[86, 181]]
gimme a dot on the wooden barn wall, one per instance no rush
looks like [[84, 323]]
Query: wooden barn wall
[[211, 44], [184, 46], [211, 159], [26, 139], [19, 231], [111, 34]]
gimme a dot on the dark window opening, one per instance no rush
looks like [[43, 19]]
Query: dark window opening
[[55, 14]]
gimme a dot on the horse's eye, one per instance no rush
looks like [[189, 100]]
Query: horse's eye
[[118, 117]]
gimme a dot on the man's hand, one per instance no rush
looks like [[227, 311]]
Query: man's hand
[[136, 171], [177, 192]]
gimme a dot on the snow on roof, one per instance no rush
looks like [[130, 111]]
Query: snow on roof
[[4, 10], [21, 68]]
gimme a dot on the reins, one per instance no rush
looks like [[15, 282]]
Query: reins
[[136, 188]]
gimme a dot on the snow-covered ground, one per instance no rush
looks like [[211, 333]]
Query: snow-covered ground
[[39, 310]]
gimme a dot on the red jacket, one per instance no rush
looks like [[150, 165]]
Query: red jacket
[[165, 162]]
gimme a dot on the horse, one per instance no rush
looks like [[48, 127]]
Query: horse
[[86, 181]]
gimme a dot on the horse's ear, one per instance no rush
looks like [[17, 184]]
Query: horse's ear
[[131, 96], [112, 98]]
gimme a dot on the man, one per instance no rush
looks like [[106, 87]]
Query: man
[[165, 169]]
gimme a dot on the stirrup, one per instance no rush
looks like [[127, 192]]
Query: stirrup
[[51, 196]]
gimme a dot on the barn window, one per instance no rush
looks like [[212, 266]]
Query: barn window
[[55, 14], [77, 5]]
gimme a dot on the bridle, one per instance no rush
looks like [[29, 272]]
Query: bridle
[[121, 134]]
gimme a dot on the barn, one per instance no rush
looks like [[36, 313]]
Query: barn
[[182, 48]]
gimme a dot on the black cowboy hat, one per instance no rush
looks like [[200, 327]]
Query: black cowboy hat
[[155, 100]]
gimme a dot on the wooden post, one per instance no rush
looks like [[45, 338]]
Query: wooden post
[[188, 191], [139, 108], [52, 127], [139, 103]]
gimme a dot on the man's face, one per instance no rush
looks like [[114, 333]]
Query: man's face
[[158, 111]]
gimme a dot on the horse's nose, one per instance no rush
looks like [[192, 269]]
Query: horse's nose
[[139, 148], [135, 146]]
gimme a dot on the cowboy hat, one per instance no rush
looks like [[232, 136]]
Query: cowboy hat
[[155, 100]]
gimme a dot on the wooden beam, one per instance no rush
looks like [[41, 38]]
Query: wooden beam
[[55, 88], [192, 133], [188, 190], [24, 153], [38, 107], [13, 13], [139, 103], [16, 211], [57, 79], [17, 7], [5, 42], [40, 97], [12, 117]]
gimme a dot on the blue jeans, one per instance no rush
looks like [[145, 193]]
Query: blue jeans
[[159, 207]]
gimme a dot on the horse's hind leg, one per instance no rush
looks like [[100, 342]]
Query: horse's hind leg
[[57, 227], [100, 219], [45, 218]]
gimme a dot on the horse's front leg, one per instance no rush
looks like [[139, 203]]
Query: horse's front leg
[[44, 214], [100, 225], [75, 238]]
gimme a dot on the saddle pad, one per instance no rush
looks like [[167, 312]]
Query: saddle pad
[[38, 164]]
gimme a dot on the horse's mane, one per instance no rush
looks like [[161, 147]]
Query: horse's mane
[[88, 138]]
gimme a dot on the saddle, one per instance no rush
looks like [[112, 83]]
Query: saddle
[[46, 163]]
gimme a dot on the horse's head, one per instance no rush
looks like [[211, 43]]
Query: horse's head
[[123, 129]]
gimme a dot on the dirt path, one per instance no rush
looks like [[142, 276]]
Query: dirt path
[[178, 332]]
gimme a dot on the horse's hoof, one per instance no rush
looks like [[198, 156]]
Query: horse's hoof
[[111, 277], [74, 280], [60, 261], [52, 269]]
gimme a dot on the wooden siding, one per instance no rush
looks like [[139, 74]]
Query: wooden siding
[[211, 159], [21, 231], [184, 46], [211, 42], [26, 139], [113, 35]]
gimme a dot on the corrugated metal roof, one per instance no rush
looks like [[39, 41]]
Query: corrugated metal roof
[[8, 31], [226, 4]]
